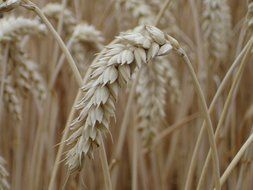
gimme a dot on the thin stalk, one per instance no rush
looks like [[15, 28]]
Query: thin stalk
[[224, 112], [162, 11], [134, 185], [211, 108], [59, 65], [103, 159], [4, 70], [246, 163], [123, 129], [77, 10], [174, 127], [206, 115], [72, 64], [236, 160], [59, 31], [62, 144], [198, 37]]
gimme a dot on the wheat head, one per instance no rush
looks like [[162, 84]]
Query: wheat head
[[112, 72]]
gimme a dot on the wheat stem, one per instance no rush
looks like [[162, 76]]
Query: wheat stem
[[61, 147], [236, 159], [224, 112], [211, 108], [134, 185], [5, 60], [123, 129], [36, 9], [207, 119], [161, 12], [103, 159], [198, 37], [59, 66], [174, 127], [59, 31]]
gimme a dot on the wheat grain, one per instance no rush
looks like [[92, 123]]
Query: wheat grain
[[4, 185], [7, 5], [11, 99], [249, 18], [112, 72]]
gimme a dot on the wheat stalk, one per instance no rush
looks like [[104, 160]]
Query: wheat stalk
[[211, 108], [224, 111], [4, 185]]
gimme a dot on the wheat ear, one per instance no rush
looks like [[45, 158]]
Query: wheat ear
[[217, 27], [21, 75], [112, 72], [151, 90], [12, 29], [55, 10], [138, 9], [4, 184], [11, 99]]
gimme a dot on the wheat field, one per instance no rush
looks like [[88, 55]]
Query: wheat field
[[126, 94]]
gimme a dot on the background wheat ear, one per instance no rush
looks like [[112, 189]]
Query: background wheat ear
[[4, 185], [155, 80], [54, 10], [217, 28], [22, 74], [87, 41]]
